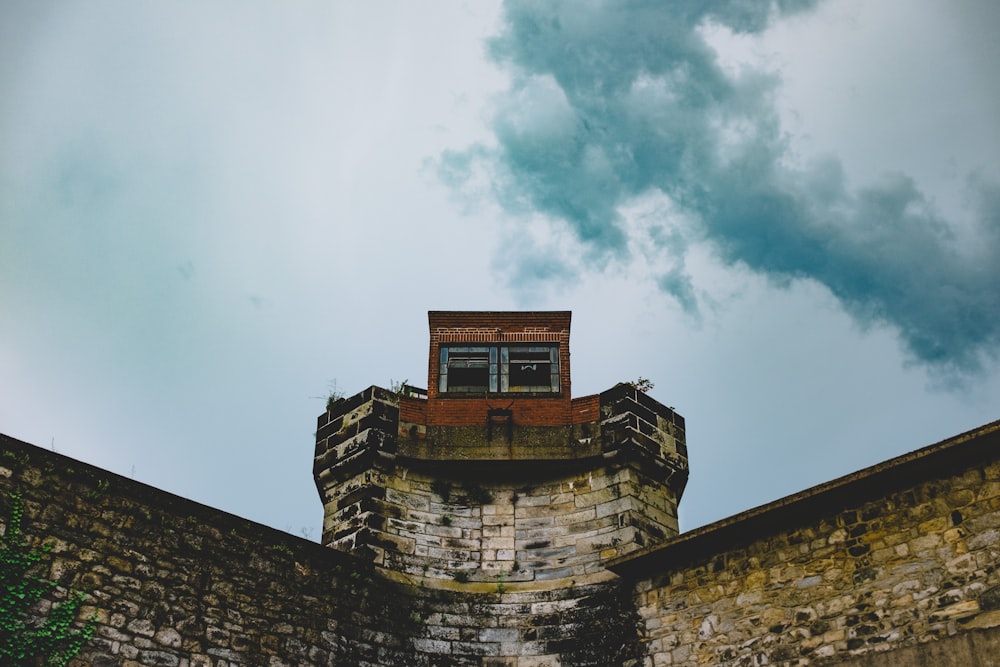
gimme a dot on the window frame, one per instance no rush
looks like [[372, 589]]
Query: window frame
[[447, 364], [498, 362]]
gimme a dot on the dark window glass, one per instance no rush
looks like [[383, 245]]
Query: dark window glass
[[529, 368], [468, 369], [504, 369]]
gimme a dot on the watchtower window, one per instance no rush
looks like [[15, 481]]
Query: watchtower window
[[468, 369], [499, 368], [532, 369]]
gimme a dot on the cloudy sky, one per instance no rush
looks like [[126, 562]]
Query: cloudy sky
[[787, 217]]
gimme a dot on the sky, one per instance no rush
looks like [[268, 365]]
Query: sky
[[785, 215]]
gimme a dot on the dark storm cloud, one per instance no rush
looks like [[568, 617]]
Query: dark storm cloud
[[610, 101]]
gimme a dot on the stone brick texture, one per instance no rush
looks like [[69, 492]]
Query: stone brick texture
[[888, 571], [172, 583], [893, 568], [611, 490]]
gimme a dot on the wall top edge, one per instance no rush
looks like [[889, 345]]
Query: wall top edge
[[813, 502]]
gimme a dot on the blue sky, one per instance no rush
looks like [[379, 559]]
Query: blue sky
[[786, 216]]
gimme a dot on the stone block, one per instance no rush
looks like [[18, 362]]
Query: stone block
[[577, 517], [614, 507], [433, 646]]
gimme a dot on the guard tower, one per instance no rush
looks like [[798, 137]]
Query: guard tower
[[495, 470]]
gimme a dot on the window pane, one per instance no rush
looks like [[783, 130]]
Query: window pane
[[468, 358], [469, 379], [467, 369], [532, 368], [529, 354], [513, 369], [523, 374]]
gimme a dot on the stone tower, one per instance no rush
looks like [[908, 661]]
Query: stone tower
[[495, 472]]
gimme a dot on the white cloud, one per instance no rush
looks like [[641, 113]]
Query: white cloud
[[210, 212]]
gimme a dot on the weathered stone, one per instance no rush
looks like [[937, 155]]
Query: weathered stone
[[168, 637]]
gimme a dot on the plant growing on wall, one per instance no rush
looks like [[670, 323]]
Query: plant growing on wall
[[53, 641], [333, 394], [401, 387], [645, 385]]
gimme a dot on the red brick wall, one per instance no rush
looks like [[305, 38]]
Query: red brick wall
[[413, 410], [494, 327], [472, 411], [586, 409]]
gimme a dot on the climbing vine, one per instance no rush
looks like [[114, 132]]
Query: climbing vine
[[54, 640]]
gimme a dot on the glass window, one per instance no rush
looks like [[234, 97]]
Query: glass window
[[507, 369], [532, 368], [468, 369]]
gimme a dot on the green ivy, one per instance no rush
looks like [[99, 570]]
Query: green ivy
[[56, 640]]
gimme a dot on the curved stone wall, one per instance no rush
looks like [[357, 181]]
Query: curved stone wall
[[536, 513]]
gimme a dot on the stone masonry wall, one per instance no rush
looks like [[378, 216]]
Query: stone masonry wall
[[896, 568], [893, 562], [511, 520], [173, 583], [512, 530]]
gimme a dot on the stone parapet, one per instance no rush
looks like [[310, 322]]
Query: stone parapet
[[356, 443], [638, 430], [500, 501]]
